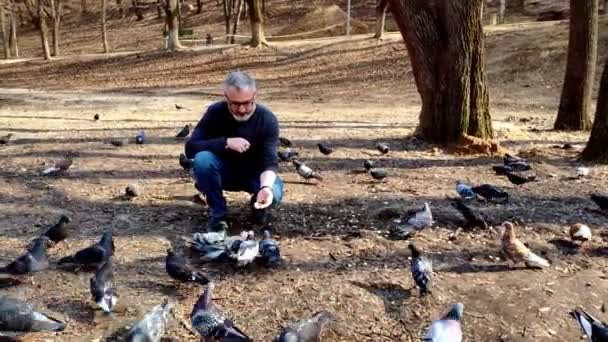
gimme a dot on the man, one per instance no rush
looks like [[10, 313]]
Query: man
[[234, 148]]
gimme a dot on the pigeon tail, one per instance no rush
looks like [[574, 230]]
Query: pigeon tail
[[42, 322], [51, 170], [533, 260], [200, 278], [66, 260]]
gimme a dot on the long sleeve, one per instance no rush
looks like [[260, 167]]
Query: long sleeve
[[202, 140], [270, 158]]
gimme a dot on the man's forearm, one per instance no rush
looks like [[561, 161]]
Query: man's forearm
[[267, 178]]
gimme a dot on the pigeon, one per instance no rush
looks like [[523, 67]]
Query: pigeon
[[305, 171], [17, 315], [94, 255], [596, 330], [402, 232], [368, 164], [140, 138], [510, 160], [270, 253], [473, 219], [287, 155], [491, 193], [326, 150], [96, 117], [308, 330], [248, 250], [518, 179], [118, 142], [502, 169], [422, 218], [6, 138], [132, 191], [102, 287], [378, 174], [382, 147], [152, 327], [465, 191], [422, 270], [215, 246], [36, 259], [59, 167], [209, 322], [185, 163], [516, 251], [446, 329], [285, 142], [178, 107], [580, 232], [601, 200], [178, 269], [184, 132], [58, 231]]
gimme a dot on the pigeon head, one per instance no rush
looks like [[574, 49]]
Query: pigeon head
[[323, 317], [251, 235], [170, 251], [414, 250], [267, 234], [64, 219], [509, 230], [455, 312], [296, 163]]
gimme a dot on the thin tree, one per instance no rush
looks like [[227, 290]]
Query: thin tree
[[596, 146], [121, 11], [381, 7], [56, 12], [171, 14], [501, 11], [227, 7], [13, 31], [444, 40], [43, 30], [256, 18], [84, 7], [237, 19], [573, 113], [7, 50], [199, 6], [104, 36]]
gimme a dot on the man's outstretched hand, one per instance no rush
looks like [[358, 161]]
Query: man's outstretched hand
[[264, 198]]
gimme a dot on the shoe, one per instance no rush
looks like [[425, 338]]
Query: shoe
[[217, 224]]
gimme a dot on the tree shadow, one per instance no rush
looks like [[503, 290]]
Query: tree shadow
[[565, 247], [477, 268], [393, 296]]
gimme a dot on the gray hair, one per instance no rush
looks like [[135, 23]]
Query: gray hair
[[239, 80]]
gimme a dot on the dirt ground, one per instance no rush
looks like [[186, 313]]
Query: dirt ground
[[350, 93]]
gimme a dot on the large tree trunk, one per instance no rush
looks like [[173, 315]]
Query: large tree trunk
[[227, 14], [56, 16], [381, 7], [501, 11], [573, 113], [172, 24], [596, 146], [13, 34], [199, 6], [104, 35], [256, 18], [43, 31], [237, 19], [3, 29], [445, 43]]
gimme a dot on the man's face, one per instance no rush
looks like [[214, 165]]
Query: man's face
[[241, 104]]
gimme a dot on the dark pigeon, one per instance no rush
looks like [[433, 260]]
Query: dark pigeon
[[308, 330], [491, 193], [185, 163], [368, 164], [140, 138], [422, 270], [382, 147], [6, 138], [287, 155], [269, 251], [94, 255], [58, 232], [178, 107], [96, 117], [600, 200], [178, 269], [378, 174], [474, 220], [16, 315], [326, 150], [102, 287], [184, 132], [596, 330], [285, 142], [520, 179], [132, 191], [36, 259]]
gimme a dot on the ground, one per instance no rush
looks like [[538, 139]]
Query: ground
[[350, 93]]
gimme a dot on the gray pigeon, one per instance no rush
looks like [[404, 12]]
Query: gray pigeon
[[446, 329], [209, 322], [308, 330], [36, 259], [102, 287], [94, 255], [16, 315], [178, 269], [270, 253], [152, 327], [60, 166], [422, 270], [596, 330], [465, 191], [305, 171]]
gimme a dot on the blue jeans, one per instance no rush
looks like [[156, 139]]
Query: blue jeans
[[213, 175]]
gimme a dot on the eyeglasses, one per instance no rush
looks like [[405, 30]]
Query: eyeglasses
[[246, 104]]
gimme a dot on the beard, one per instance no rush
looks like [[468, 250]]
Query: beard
[[243, 118]]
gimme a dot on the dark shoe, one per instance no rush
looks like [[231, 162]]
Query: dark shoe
[[217, 224]]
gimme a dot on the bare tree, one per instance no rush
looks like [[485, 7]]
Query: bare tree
[[573, 113], [104, 36], [7, 50], [84, 7], [444, 40], [381, 7], [43, 30], [121, 11], [227, 7], [256, 18], [13, 30], [501, 11], [237, 19], [137, 10], [171, 13], [596, 146], [56, 12]]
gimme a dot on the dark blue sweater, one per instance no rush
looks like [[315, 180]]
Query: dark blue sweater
[[261, 130]]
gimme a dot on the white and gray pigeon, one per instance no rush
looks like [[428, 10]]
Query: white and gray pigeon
[[422, 270], [248, 250], [19, 316], [447, 329], [596, 330], [215, 246], [465, 191], [270, 253], [305, 172], [152, 327], [102, 287], [423, 218], [211, 324], [308, 330], [34, 260], [58, 167]]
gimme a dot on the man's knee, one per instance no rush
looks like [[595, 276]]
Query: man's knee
[[205, 162]]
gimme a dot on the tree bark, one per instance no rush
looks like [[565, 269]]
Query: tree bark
[[237, 19], [596, 146], [56, 17], [227, 14], [381, 7], [573, 113], [121, 11], [84, 8], [104, 35], [171, 8], [501, 11], [3, 29], [444, 40], [199, 6], [256, 18], [13, 34], [43, 31], [137, 10]]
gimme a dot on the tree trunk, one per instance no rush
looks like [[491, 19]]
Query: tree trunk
[[13, 35], [573, 113], [159, 10], [137, 10], [121, 11], [596, 146], [56, 16], [84, 8], [3, 29], [227, 14], [605, 6], [381, 7], [199, 6], [444, 40], [237, 19], [104, 35], [257, 23], [501, 11], [43, 31], [172, 24]]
